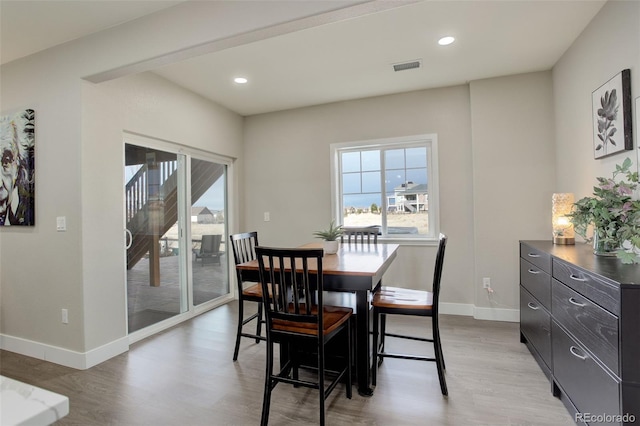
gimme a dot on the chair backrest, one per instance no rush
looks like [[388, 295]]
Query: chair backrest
[[210, 244], [366, 235], [437, 273], [243, 246], [296, 304]]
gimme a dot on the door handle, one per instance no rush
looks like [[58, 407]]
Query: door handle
[[127, 245]]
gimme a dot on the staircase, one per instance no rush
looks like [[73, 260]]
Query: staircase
[[161, 183]]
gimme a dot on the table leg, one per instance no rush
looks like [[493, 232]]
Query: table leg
[[363, 352]]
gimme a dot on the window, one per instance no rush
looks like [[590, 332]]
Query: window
[[388, 183]]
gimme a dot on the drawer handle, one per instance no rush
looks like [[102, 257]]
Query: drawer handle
[[576, 278], [532, 306], [573, 350], [575, 302], [533, 255], [531, 271]]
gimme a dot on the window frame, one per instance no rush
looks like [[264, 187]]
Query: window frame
[[430, 142]]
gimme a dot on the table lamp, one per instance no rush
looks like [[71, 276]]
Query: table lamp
[[562, 227]]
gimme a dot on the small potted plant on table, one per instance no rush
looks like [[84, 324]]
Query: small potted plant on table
[[330, 237]]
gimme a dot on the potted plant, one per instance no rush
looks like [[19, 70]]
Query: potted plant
[[614, 215], [330, 237]]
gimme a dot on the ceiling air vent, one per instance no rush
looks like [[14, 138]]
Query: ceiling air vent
[[407, 65]]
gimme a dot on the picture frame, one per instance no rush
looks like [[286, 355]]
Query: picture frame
[[17, 152], [611, 112]]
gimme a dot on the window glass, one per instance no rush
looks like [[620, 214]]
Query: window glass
[[407, 208]]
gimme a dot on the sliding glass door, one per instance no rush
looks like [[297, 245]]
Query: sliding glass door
[[208, 230], [175, 212]]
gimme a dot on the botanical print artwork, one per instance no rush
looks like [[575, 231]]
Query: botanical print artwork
[[611, 116], [17, 146], [607, 116]]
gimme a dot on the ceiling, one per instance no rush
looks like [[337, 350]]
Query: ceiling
[[348, 59]]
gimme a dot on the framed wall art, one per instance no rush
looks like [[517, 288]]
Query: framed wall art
[[611, 105], [17, 171]]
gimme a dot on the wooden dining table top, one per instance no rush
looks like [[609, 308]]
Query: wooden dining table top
[[351, 259]]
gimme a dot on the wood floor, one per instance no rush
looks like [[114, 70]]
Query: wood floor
[[186, 376]]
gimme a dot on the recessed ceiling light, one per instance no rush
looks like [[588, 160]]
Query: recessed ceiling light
[[240, 80], [444, 41]]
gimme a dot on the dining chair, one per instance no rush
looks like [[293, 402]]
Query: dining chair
[[366, 235], [243, 246], [401, 301], [302, 324]]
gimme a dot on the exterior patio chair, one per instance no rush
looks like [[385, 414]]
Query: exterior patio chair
[[209, 249]]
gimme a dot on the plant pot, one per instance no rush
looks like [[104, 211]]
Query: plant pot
[[603, 248], [330, 247]]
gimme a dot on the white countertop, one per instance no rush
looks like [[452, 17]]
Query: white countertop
[[23, 404]]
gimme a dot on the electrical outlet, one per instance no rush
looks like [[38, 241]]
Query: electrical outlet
[[486, 282], [65, 316]]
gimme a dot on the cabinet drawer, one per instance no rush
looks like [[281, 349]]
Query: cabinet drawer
[[594, 327], [590, 286], [535, 323], [539, 258], [588, 386], [536, 281]]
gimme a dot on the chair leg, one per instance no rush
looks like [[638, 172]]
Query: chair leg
[[349, 358], [383, 334], [374, 369], [437, 349], [266, 402], [239, 332], [259, 319], [321, 382]]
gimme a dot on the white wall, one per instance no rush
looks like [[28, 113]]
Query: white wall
[[490, 143], [608, 45], [78, 169], [152, 106], [513, 177]]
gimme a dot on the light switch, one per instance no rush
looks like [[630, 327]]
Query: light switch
[[61, 223], [267, 217]]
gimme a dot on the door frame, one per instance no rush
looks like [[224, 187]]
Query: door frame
[[185, 231]]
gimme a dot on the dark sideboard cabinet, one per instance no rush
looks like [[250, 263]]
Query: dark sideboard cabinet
[[580, 319]]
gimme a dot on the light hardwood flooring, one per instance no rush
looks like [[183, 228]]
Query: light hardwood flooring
[[186, 376]]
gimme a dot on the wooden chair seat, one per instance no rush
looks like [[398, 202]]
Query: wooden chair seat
[[333, 318], [402, 298], [255, 292]]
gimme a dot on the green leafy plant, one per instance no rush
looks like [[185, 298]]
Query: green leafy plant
[[331, 234], [615, 216]]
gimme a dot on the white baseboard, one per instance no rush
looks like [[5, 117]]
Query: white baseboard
[[61, 356], [495, 314], [490, 314], [464, 309]]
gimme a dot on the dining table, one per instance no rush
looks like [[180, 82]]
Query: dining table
[[357, 269]]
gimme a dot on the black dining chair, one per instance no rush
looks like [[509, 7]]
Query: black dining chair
[[401, 301], [298, 320], [366, 235], [243, 246]]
